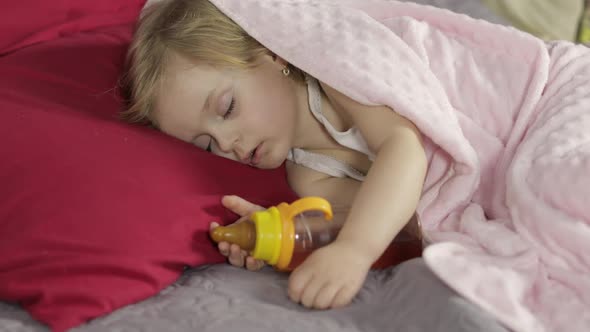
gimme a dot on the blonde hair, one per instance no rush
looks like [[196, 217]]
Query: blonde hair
[[192, 28]]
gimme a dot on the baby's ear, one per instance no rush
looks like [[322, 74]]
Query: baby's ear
[[278, 60]]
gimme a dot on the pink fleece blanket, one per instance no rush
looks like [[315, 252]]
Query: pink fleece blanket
[[506, 120]]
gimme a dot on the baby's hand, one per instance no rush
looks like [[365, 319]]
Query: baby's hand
[[329, 278], [235, 255]]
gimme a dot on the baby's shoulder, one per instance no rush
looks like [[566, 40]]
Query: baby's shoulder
[[308, 182], [349, 107], [301, 178]]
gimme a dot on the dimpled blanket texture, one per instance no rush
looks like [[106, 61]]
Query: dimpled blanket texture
[[506, 120]]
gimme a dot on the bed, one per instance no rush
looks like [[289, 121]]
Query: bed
[[207, 297], [224, 298]]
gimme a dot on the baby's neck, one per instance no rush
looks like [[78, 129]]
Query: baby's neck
[[310, 134]]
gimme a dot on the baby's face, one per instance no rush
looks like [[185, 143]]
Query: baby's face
[[245, 115]]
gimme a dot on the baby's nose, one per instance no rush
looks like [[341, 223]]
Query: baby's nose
[[226, 145], [230, 149]]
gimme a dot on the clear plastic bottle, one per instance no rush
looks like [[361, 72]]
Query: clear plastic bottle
[[283, 236], [311, 232]]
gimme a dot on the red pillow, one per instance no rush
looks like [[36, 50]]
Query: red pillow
[[96, 214], [26, 22]]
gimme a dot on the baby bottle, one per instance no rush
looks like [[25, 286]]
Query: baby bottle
[[284, 235]]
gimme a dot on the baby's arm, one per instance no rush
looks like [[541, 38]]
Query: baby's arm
[[383, 205], [388, 197]]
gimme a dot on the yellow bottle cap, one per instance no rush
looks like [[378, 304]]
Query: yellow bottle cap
[[268, 235], [275, 229], [288, 239]]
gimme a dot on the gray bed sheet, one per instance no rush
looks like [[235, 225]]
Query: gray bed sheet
[[222, 298]]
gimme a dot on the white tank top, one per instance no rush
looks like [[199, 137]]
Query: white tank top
[[351, 139]]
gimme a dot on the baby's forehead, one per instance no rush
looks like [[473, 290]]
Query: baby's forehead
[[182, 90], [177, 66], [177, 62]]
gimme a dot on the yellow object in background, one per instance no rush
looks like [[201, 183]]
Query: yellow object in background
[[584, 30], [546, 19]]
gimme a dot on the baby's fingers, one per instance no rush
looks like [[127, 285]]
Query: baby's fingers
[[253, 264], [224, 248], [236, 256], [239, 205]]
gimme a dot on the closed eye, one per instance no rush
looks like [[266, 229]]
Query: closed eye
[[226, 115], [230, 109]]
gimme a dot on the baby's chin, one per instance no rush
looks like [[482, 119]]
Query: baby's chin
[[272, 161], [270, 165]]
